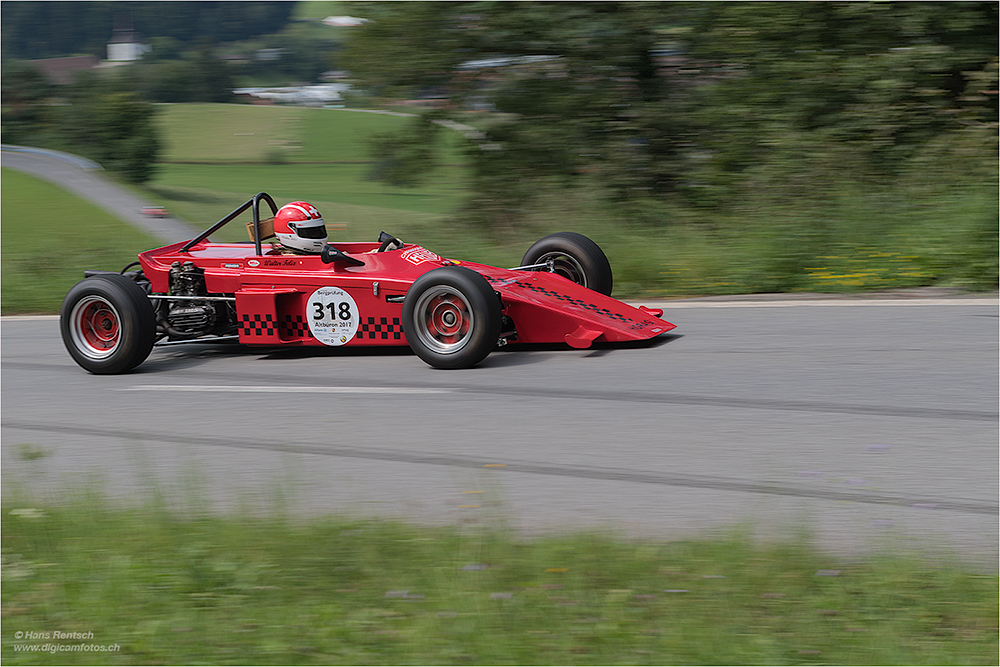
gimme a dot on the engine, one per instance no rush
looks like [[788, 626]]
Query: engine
[[188, 317]]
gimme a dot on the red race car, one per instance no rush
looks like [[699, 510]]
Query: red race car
[[451, 313], [154, 211]]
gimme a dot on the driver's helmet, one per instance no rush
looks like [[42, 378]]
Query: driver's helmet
[[299, 226]]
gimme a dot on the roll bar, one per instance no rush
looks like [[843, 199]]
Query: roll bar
[[255, 203]]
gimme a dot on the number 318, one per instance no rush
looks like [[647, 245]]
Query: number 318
[[343, 309]]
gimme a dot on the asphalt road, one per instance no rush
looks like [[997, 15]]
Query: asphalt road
[[86, 179], [865, 423]]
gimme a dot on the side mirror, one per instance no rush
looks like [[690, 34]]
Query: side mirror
[[332, 255], [388, 242]]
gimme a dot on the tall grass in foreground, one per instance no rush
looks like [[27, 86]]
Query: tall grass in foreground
[[168, 589]]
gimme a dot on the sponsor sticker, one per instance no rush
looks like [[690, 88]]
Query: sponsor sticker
[[502, 282], [234, 266], [333, 316], [419, 255], [253, 262]]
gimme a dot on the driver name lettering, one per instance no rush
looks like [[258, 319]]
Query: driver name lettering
[[280, 262]]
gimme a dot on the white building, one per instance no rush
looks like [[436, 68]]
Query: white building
[[317, 95], [126, 46], [344, 21]]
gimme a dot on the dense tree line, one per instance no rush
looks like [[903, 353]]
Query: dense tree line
[[99, 117], [173, 73], [32, 30], [107, 116], [187, 43], [198, 76], [696, 102]]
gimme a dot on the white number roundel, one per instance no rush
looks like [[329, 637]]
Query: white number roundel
[[332, 315]]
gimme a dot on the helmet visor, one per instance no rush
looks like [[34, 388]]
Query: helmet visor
[[313, 232]]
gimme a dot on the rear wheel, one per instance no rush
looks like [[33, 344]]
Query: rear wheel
[[107, 324], [574, 257], [451, 317]]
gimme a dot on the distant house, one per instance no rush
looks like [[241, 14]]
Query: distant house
[[235, 58], [60, 71], [317, 95], [126, 46], [344, 21], [269, 55]]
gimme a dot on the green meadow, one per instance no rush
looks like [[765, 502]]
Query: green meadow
[[236, 133], [217, 156]]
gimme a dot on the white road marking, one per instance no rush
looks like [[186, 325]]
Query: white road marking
[[284, 390]]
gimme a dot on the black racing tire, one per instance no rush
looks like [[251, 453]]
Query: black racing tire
[[107, 324], [575, 257], [451, 317]]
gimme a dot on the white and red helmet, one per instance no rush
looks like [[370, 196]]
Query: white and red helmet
[[299, 226]]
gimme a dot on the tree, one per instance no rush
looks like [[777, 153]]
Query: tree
[[210, 78], [841, 86], [693, 102], [62, 28], [124, 135], [201, 77], [96, 116], [25, 91], [111, 125], [574, 85], [401, 159]]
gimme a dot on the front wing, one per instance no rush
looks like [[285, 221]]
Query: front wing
[[547, 308]]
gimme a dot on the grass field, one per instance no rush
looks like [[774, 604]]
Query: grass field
[[49, 238], [236, 133], [318, 9], [242, 590], [218, 156], [225, 132]]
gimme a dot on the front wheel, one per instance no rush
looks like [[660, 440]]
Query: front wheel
[[107, 324], [451, 317], [574, 257]]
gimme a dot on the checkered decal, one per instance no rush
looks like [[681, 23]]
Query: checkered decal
[[625, 320], [257, 325], [295, 327], [382, 329]]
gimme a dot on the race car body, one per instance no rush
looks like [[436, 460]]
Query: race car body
[[451, 312]]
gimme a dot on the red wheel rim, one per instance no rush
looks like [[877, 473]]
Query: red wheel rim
[[95, 327], [443, 319]]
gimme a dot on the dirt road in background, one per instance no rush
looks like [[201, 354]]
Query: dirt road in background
[[87, 179]]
